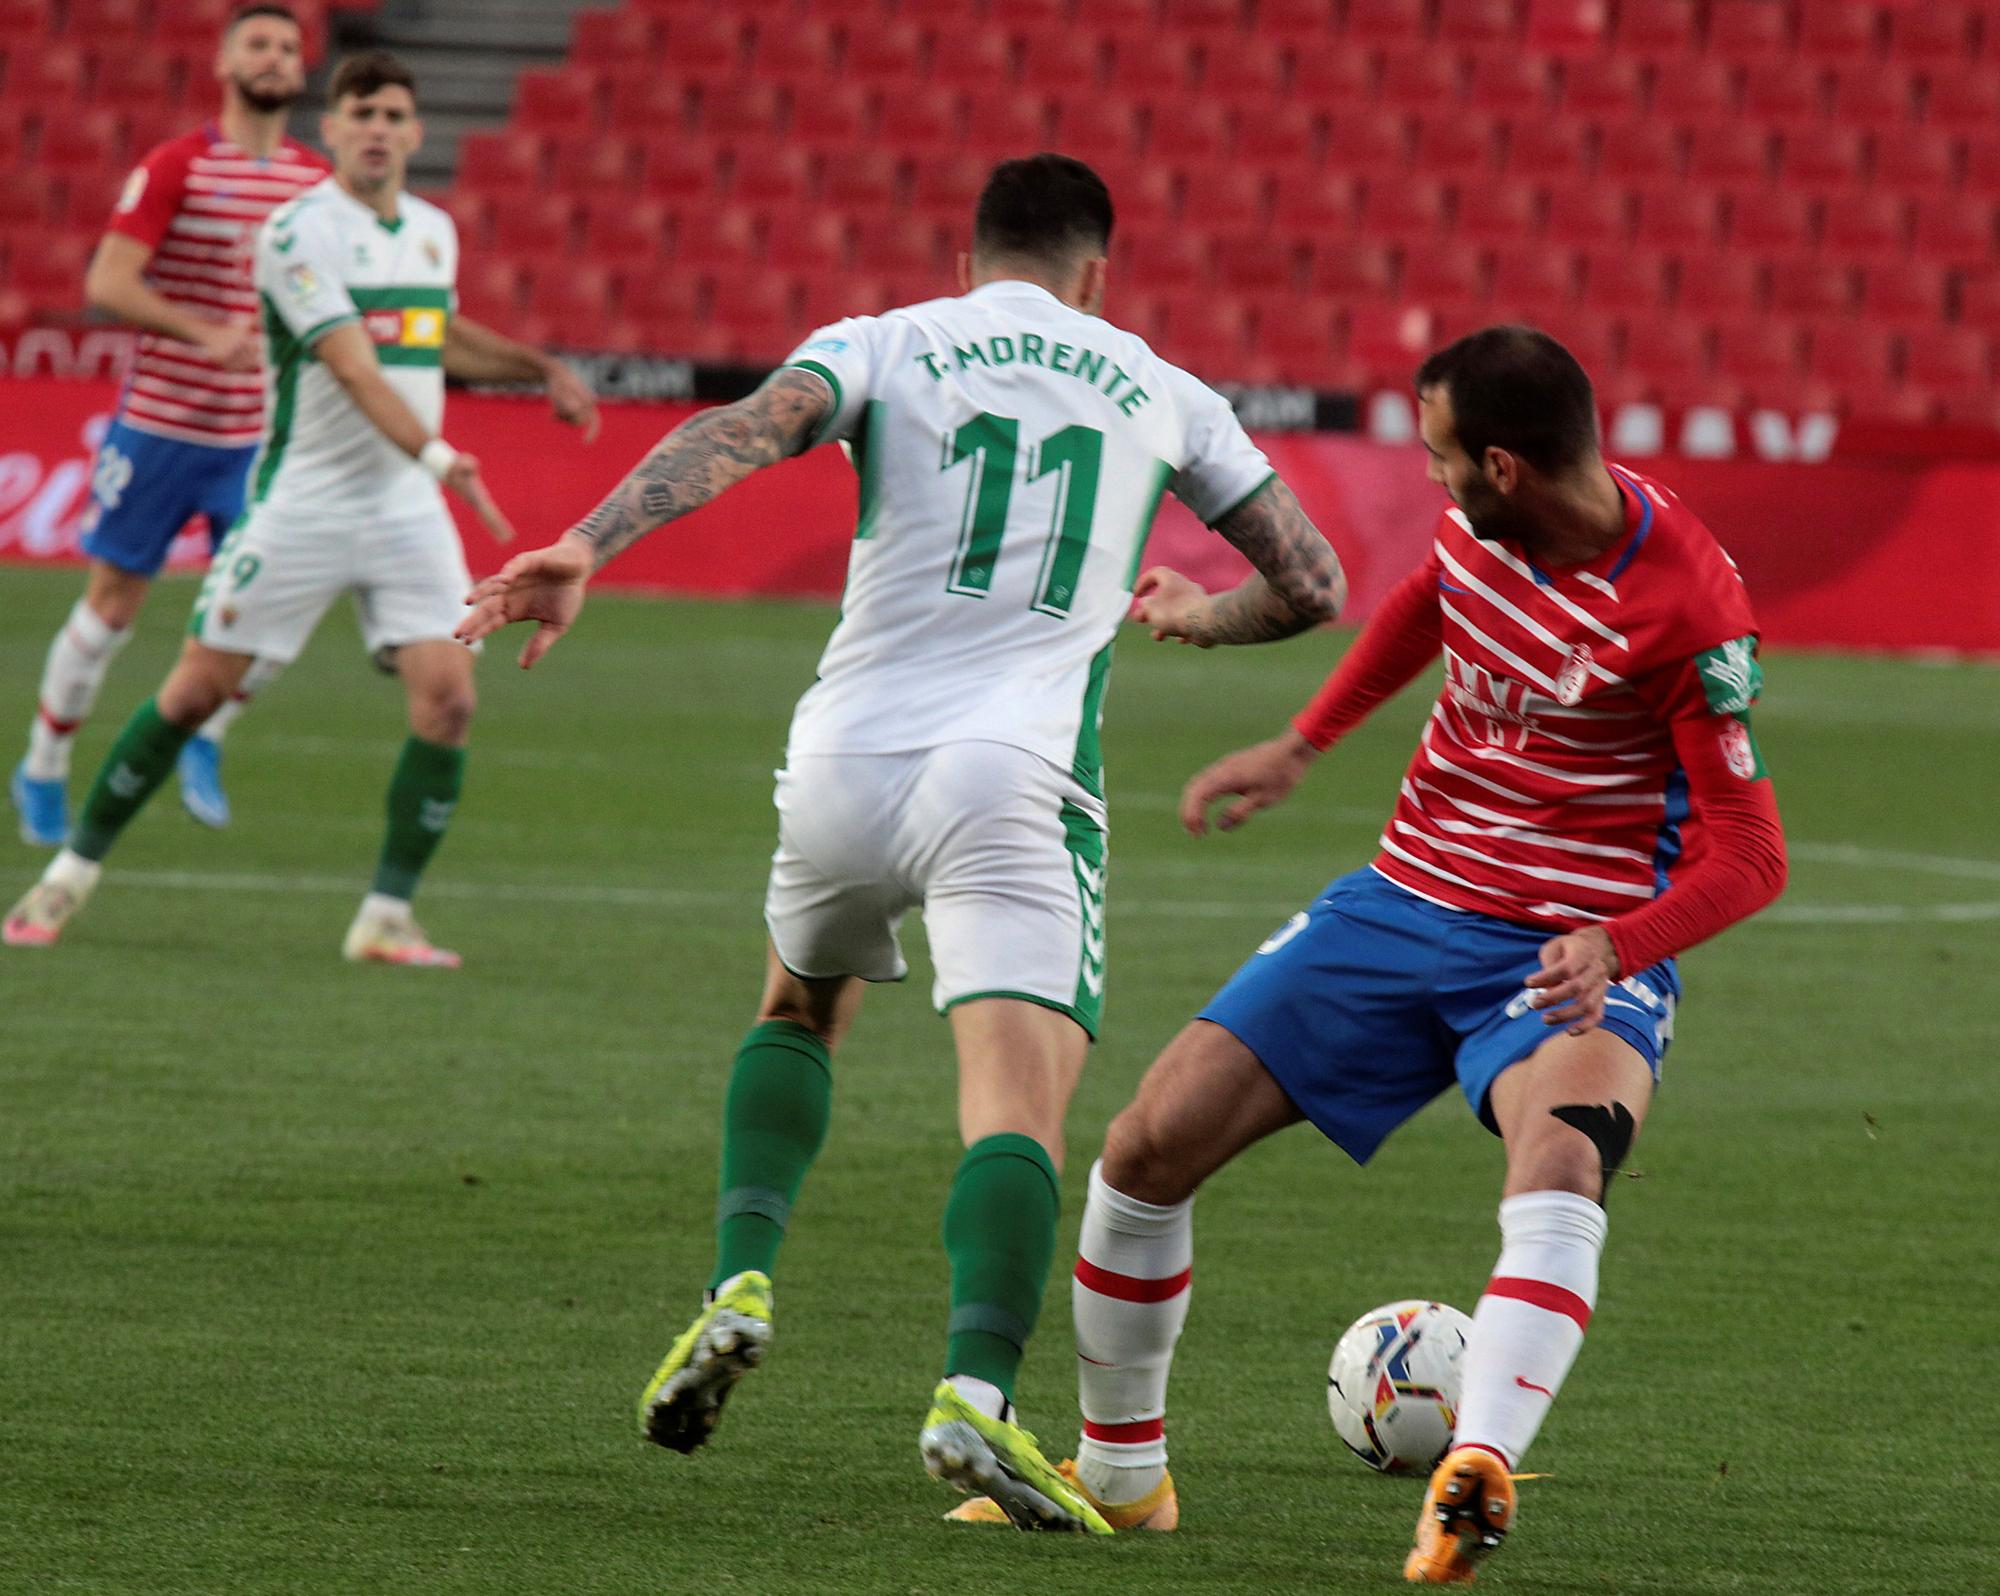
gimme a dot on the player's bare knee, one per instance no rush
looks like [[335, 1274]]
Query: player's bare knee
[[1139, 1161], [1576, 1147], [115, 596], [444, 714], [195, 689]]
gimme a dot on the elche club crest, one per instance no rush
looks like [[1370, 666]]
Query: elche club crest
[[1575, 674]]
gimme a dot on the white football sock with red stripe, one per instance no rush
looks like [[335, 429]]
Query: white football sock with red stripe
[[1528, 1327], [1130, 1297], [77, 662]]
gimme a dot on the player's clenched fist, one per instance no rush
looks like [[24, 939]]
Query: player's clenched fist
[[1577, 970], [544, 586], [1256, 777], [1168, 602]]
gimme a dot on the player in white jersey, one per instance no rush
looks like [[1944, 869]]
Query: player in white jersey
[[356, 278], [1012, 449], [174, 263]]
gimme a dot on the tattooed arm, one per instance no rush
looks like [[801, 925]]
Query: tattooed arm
[[706, 455], [1298, 582]]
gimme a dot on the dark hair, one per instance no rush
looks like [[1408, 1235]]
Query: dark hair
[[243, 14], [1042, 207], [1516, 389], [361, 75]]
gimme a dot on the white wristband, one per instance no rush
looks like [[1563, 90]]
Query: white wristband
[[437, 457]]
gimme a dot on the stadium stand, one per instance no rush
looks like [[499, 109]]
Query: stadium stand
[[1739, 201]]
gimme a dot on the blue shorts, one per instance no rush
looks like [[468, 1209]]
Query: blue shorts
[[1367, 1005], [144, 489]]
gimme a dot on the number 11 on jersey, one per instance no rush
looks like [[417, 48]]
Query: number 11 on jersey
[[1073, 456]]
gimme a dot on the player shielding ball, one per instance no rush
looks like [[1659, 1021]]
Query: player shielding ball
[[1587, 801], [175, 262], [1012, 449], [357, 280]]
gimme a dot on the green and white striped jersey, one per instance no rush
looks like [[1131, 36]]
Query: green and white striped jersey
[[1012, 452], [323, 261]]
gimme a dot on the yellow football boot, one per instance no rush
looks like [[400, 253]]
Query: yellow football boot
[[1158, 1509], [683, 1400], [1001, 1461]]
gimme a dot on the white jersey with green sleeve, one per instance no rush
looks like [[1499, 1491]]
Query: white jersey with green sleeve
[[323, 261], [1012, 452]]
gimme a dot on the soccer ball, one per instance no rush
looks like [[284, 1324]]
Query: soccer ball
[[1393, 1384]]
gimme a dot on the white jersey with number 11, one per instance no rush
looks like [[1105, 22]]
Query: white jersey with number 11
[[1012, 452]]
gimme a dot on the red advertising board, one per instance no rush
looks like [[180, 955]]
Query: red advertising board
[[1855, 553]]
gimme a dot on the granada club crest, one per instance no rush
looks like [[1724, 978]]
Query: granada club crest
[[1575, 674], [1738, 750]]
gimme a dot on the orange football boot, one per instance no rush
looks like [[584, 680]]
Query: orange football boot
[[1467, 1512]]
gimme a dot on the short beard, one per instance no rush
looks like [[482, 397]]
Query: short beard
[[264, 103]]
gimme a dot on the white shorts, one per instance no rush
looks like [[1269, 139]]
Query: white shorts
[[1004, 851], [272, 580]]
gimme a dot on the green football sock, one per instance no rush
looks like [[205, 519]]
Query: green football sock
[[773, 1126], [422, 794], [139, 761], [1000, 1234]]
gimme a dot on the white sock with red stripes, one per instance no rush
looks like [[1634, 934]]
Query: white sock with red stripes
[[1130, 1297], [1528, 1327], [260, 675], [78, 660]]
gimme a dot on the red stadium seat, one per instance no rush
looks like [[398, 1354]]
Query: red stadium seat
[[577, 295], [1369, 142], [1510, 85], [801, 51], [1116, 16], [836, 297], [594, 165], [1603, 89], [662, 295], [80, 143], [866, 180], [1948, 359], [1445, 279], [1878, 96], [1930, 35], [1061, 64], [1278, 137], [1592, 339], [1213, 20], [1456, 143], [612, 39], [1028, 15], [14, 120], [1718, 287], [1955, 232], [1333, 77], [1729, 156], [45, 75], [620, 234], [1497, 213], [489, 290], [1838, 32], [1144, 195], [849, 14], [1913, 162], [1656, 28], [1674, 218], [1299, 340], [806, 242], [1813, 288], [1351, 271], [771, 175], [1222, 201], [970, 58], [106, 25], [48, 273], [1904, 293], [1475, 24], [1864, 227], [1623, 281], [1586, 217], [1982, 167], [742, 109], [1639, 152], [532, 225], [884, 55], [1567, 27], [1193, 134], [897, 246], [680, 171], [1303, 24], [1250, 73], [177, 28], [26, 22], [722, 238], [1164, 261], [759, 307], [1256, 265], [1545, 150], [831, 116], [1388, 341], [1410, 211], [1848, 357], [1418, 79], [1748, 30], [1390, 22], [1762, 355], [1151, 67], [920, 120], [1315, 204], [1533, 282], [1666, 354], [645, 105], [557, 100], [135, 82], [1784, 94], [1979, 301], [1097, 130], [1963, 99], [1770, 222], [946, 190], [1005, 123], [500, 163], [1695, 92], [1821, 160], [703, 46], [28, 202]]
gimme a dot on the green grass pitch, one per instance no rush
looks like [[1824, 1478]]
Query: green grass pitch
[[323, 1279]]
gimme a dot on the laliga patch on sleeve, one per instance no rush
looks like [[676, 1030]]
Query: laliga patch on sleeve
[[833, 346], [301, 283], [133, 191], [1731, 676]]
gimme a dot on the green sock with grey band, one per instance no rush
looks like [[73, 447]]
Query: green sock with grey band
[[773, 1126], [1000, 1235]]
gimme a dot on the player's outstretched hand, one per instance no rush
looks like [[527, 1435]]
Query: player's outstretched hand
[[233, 346], [463, 479], [1166, 601], [1256, 777], [544, 586], [572, 401], [1577, 971]]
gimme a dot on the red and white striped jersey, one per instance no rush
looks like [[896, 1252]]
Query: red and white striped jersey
[[1546, 789], [198, 201]]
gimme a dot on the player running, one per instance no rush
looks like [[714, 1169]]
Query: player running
[[357, 282], [175, 262], [1516, 933], [1012, 450]]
